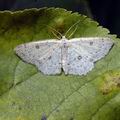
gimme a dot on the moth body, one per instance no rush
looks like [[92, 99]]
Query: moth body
[[76, 56]]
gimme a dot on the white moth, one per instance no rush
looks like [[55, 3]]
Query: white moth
[[75, 56]]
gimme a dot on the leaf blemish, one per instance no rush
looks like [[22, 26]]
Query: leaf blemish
[[13, 103], [111, 82], [44, 117], [71, 118]]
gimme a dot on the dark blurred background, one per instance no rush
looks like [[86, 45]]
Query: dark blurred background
[[106, 12]]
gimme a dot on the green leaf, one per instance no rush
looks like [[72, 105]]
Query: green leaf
[[27, 94]]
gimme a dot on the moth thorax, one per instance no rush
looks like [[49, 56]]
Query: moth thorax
[[63, 62], [64, 41], [63, 37]]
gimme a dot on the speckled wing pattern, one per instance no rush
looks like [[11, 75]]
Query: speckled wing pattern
[[46, 55], [83, 52], [75, 56]]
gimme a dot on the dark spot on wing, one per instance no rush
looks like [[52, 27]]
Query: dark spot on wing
[[40, 62], [91, 60], [79, 57], [91, 43], [49, 57], [37, 47], [23, 54]]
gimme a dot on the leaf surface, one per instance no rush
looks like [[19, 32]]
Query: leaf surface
[[27, 94]]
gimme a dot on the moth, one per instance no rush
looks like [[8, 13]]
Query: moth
[[76, 56]]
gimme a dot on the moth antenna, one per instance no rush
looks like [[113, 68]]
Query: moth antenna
[[55, 31], [71, 27], [73, 32], [56, 35]]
